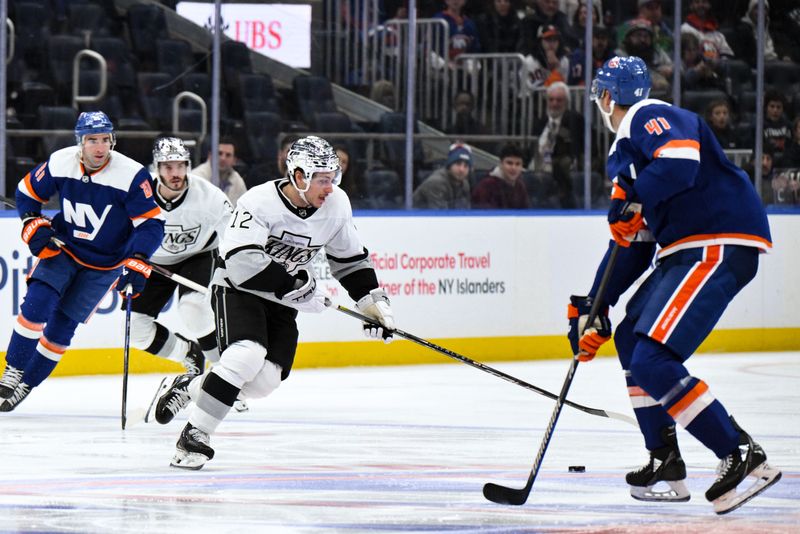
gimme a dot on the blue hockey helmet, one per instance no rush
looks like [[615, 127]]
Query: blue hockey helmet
[[625, 78], [93, 122]]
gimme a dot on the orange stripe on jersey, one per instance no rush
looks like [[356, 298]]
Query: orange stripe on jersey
[[149, 215], [617, 193], [52, 347], [38, 327], [684, 294], [707, 237], [89, 265], [687, 400], [30, 191], [636, 391], [677, 143]]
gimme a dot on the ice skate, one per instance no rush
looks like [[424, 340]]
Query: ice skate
[[240, 405], [748, 460], [162, 386], [194, 361], [9, 381], [18, 396], [173, 399], [193, 449], [665, 467]]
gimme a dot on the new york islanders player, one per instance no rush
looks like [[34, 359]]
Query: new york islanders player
[[673, 184], [196, 213], [108, 226], [263, 280]]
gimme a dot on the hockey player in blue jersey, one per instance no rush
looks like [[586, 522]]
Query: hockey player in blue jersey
[[674, 187], [108, 226]]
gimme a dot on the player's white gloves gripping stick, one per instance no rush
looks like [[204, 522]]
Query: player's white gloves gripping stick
[[375, 305], [305, 297]]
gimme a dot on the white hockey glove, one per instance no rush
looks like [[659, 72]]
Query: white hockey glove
[[375, 305], [305, 297]]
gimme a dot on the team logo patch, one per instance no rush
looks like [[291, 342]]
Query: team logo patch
[[40, 172], [177, 239], [148, 191], [613, 63], [291, 250]]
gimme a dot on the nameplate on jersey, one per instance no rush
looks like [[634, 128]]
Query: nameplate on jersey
[[177, 238], [84, 218]]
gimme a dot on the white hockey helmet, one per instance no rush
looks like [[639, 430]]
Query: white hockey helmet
[[312, 154], [170, 149]]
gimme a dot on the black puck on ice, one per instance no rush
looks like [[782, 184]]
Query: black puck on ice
[[577, 468]]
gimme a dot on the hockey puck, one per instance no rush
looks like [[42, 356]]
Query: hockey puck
[[577, 468]]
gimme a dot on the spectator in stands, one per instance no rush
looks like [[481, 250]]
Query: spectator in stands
[[464, 36], [743, 42], [650, 10], [767, 173], [701, 22], [697, 72], [785, 187], [503, 187], [791, 156], [718, 117], [383, 92], [785, 16], [543, 13], [601, 52], [559, 147], [548, 63], [448, 187], [638, 41], [230, 181], [464, 121], [499, 28], [574, 38], [351, 181], [777, 128]]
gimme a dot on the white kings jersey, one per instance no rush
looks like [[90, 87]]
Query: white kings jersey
[[266, 227], [195, 221]]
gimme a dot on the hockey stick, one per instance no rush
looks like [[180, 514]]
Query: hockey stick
[[126, 352], [492, 371], [504, 494]]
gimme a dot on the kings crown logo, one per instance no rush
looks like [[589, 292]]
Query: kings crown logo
[[177, 239]]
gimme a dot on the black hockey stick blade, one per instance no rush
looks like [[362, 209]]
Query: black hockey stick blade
[[504, 495], [492, 371]]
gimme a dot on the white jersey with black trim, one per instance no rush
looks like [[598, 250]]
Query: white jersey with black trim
[[266, 227], [194, 223]]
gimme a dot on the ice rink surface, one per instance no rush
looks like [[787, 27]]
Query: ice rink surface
[[386, 449]]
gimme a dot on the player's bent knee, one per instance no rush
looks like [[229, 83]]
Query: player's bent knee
[[195, 309], [241, 362], [143, 330], [265, 382]]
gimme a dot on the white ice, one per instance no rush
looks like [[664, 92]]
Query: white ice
[[389, 449]]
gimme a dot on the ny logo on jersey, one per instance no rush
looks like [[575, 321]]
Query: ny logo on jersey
[[177, 239], [291, 250], [78, 214], [657, 126]]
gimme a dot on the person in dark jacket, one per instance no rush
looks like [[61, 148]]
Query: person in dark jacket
[[503, 187]]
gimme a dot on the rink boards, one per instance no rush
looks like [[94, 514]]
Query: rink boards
[[492, 287]]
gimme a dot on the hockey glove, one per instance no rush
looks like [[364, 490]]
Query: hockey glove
[[585, 343], [38, 233], [135, 273], [625, 212], [375, 305], [304, 296]]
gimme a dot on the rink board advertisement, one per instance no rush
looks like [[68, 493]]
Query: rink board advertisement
[[490, 287]]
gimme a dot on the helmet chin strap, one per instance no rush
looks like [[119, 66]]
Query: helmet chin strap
[[607, 115]]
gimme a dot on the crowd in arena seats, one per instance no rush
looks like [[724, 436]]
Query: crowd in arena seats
[[148, 66]]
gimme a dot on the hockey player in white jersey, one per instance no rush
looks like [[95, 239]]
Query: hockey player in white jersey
[[196, 214], [263, 280]]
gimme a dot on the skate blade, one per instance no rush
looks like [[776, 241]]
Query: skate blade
[[188, 460], [159, 389], [677, 492], [765, 476]]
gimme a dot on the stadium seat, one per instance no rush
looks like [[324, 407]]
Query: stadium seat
[[32, 28], [120, 63], [782, 75], [313, 94], [57, 118], [235, 59], [146, 24], [86, 20], [738, 74], [392, 153], [61, 51], [383, 190], [262, 129], [198, 83], [256, 93], [173, 56], [697, 101], [155, 98]]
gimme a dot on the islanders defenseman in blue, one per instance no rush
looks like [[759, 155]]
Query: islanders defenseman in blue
[[674, 187], [108, 225]]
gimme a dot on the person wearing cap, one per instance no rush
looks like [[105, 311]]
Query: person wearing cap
[[448, 187], [701, 22], [650, 10], [543, 13], [743, 41], [548, 63], [638, 41], [601, 52]]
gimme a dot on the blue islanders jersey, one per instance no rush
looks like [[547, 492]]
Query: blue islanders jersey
[[691, 194], [106, 215]]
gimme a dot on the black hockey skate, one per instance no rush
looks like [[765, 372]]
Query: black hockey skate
[[9, 381], [18, 396], [174, 399], [748, 460], [666, 465], [193, 449], [194, 361]]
